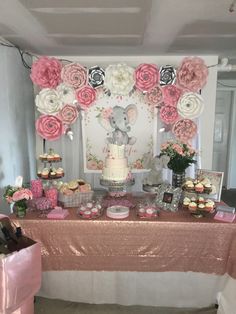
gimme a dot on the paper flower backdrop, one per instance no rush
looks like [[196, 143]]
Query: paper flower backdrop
[[67, 88]]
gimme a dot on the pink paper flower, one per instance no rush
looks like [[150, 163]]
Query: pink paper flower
[[22, 194], [46, 72], [168, 114], [68, 114], [86, 96], [147, 76], [192, 74], [171, 94], [184, 130], [154, 96], [74, 75], [49, 127]]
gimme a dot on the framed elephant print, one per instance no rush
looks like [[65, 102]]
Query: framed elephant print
[[125, 120]]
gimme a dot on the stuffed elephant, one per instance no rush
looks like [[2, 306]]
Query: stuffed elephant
[[119, 124], [155, 164]]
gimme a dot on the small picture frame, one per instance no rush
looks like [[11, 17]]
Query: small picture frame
[[167, 197], [216, 179]]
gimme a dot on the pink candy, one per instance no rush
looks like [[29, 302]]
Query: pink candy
[[36, 188], [51, 194]]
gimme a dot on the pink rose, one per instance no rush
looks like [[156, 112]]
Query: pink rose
[[22, 194], [147, 76], [74, 75], [168, 114], [154, 96], [49, 127], [46, 72], [86, 96], [92, 165], [184, 130], [192, 74], [68, 114], [171, 94]]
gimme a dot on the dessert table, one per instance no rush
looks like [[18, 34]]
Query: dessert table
[[174, 260]]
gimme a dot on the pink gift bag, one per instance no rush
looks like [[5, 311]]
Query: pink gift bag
[[20, 277]]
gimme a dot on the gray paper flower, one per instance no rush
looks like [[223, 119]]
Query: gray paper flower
[[96, 76], [167, 75]]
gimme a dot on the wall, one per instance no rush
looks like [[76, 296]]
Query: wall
[[206, 121], [17, 132]]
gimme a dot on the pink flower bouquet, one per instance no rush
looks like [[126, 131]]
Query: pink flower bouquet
[[17, 195], [181, 155]]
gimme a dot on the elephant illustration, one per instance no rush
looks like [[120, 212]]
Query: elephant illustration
[[155, 164], [118, 123]]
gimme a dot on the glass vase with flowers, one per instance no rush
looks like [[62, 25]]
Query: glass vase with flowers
[[18, 196], [181, 157]]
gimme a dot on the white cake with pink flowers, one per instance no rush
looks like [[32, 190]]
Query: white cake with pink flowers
[[116, 164]]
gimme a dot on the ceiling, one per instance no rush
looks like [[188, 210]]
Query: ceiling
[[120, 27]]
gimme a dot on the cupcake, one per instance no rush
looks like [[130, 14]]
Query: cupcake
[[201, 200], [189, 186], [50, 157], [209, 206], [59, 172], [192, 206], [73, 185], [201, 207], [43, 157], [207, 188], [85, 188], [193, 199], [45, 173], [186, 204], [199, 188], [57, 157], [39, 173], [52, 174], [81, 182]]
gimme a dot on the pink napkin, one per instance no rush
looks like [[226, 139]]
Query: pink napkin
[[57, 213]]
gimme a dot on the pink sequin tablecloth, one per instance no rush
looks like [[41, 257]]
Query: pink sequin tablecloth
[[174, 242]]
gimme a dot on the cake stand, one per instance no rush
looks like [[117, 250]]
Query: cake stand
[[117, 188]]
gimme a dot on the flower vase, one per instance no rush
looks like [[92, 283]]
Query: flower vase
[[20, 210], [178, 179]]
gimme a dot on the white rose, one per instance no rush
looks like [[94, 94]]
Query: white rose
[[66, 93], [119, 79], [48, 101], [190, 105]]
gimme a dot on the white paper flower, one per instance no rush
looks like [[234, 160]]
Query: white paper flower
[[48, 101], [190, 105], [66, 93], [119, 79]]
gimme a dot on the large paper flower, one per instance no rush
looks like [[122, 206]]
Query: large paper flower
[[192, 74], [86, 96], [46, 72], [96, 76], [184, 130], [167, 75], [48, 101], [66, 93], [68, 114], [147, 76], [74, 75], [171, 94], [190, 105], [154, 96], [119, 79], [49, 127], [168, 114]]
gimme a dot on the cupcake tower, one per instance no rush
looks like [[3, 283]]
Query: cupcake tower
[[198, 205], [50, 172]]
